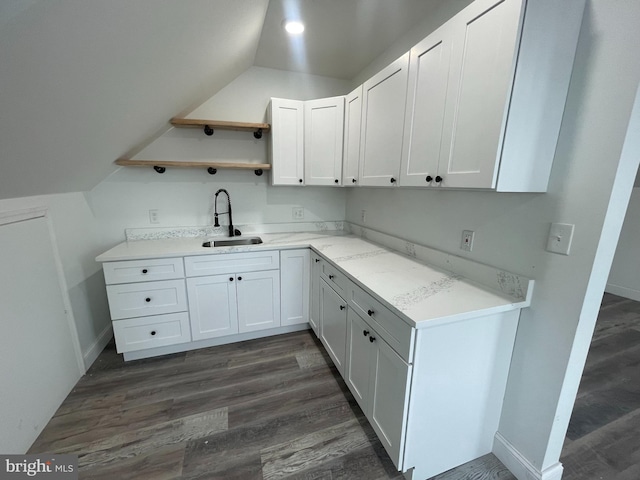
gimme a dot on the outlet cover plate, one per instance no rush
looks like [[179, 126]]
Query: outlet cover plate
[[560, 238], [298, 213], [466, 243]]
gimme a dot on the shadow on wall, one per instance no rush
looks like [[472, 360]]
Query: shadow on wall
[[91, 313]]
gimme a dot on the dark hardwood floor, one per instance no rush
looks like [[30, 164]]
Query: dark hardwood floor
[[276, 408], [603, 440]]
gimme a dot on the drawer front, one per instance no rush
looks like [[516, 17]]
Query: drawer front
[[231, 263], [147, 298], [149, 332], [143, 270], [389, 326], [335, 278]]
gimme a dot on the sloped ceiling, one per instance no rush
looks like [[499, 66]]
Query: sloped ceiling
[[84, 82]]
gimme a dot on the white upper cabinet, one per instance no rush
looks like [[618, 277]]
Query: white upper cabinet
[[383, 107], [484, 52], [486, 96], [423, 148], [287, 141], [352, 124], [323, 133]]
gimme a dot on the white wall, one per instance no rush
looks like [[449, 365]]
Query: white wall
[[511, 231], [40, 353], [624, 279], [184, 196], [78, 243]]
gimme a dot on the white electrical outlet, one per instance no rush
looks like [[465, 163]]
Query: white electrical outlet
[[560, 237], [363, 217], [154, 216], [298, 213], [467, 240]]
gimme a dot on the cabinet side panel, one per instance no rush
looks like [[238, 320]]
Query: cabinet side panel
[[547, 49], [459, 377]]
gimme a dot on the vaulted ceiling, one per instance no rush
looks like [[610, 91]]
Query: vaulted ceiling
[[83, 82]]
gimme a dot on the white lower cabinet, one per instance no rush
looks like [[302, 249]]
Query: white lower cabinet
[[149, 332], [314, 301], [380, 381], [295, 275], [222, 305], [333, 324], [213, 306]]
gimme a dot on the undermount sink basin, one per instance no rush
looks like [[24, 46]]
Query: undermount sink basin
[[233, 242]]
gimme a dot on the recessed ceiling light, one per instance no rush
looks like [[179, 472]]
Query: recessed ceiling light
[[293, 27]]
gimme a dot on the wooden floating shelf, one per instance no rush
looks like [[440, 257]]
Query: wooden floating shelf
[[212, 167], [209, 126]]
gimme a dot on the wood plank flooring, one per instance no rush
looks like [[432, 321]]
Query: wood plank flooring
[[602, 439], [276, 408]]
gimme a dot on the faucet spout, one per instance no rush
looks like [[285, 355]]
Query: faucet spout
[[216, 214]]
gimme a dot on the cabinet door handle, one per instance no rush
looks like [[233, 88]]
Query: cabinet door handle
[[372, 339], [147, 299], [342, 307], [438, 179], [337, 181], [300, 180], [231, 279], [144, 270], [331, 277], [353, 180], [429, 178], [370, 312], [365, 332], [392, 180], [317, 260], [153, 332], [239, 278]]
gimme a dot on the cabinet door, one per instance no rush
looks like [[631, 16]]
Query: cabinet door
[[484, 51], [425, 112], [287, 137], [314, 314], [359, 358], [323, 133], [212, 306], [258, 300], [389, 398], [383, 102], [295, 275], [351, 150], [333, 324]]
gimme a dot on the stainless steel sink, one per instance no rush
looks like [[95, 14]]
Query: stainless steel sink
[[233, 242]]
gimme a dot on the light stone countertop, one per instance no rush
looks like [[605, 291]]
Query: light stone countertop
[[423, 295]]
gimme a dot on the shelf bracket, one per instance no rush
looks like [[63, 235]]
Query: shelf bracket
[[208, 130], [258, 134], [212, 171], [159, 169], [258, 172]]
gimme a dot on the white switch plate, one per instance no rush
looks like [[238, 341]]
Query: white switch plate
[[298, 213], [560, 237], [467, 240]]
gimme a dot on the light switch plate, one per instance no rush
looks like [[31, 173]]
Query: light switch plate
[[467, 240], [560, 237]]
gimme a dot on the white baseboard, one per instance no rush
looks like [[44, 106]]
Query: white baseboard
[[623, 292], [96, 347], [519, 466]]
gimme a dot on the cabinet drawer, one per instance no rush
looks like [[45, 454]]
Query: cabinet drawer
[[149, 332], [143, 270], [231, 263], [389, 326], [335, 278], [147, 298]]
